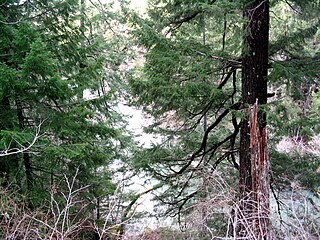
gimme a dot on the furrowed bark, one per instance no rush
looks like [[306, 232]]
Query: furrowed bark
[[253, 215]]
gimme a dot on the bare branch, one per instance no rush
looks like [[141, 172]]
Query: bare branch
[[11, 151]]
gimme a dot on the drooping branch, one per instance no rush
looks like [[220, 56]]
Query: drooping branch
[[127, 210], [205, 137], [292, 7], [225, 80], [226, 62], [186, 18], [178, 21], [203, 112]]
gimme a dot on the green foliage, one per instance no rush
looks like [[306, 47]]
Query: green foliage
[[314, 110], [295, 169], [49, 63]]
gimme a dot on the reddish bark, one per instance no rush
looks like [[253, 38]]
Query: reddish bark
[[252, 218]]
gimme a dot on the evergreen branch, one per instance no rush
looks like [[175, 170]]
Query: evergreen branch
[[187, 18], [11, 151], [36, 168], [184, 200], [57, 105], [234, 63], [236, 126], [205, 138], [225, 80], [292, 7], [202, 112], [282, 43], [217, 145], [136, 198], [213, 149], [188, 180], [207, 107], [227, 154], [12, 23]]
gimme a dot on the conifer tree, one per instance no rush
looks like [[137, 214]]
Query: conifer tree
[[60, 71], [183, 81]]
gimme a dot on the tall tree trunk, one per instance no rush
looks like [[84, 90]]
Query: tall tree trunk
[[253, 216], [26, 156]]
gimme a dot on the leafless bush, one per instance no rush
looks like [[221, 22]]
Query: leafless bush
[[220, 212], [63, 218], [66, 217], [299, 216], [299, 145], [114, 230]]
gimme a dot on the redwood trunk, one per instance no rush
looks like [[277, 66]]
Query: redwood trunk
[[253, 214]]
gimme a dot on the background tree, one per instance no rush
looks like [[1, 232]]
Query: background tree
[[61, 70]]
